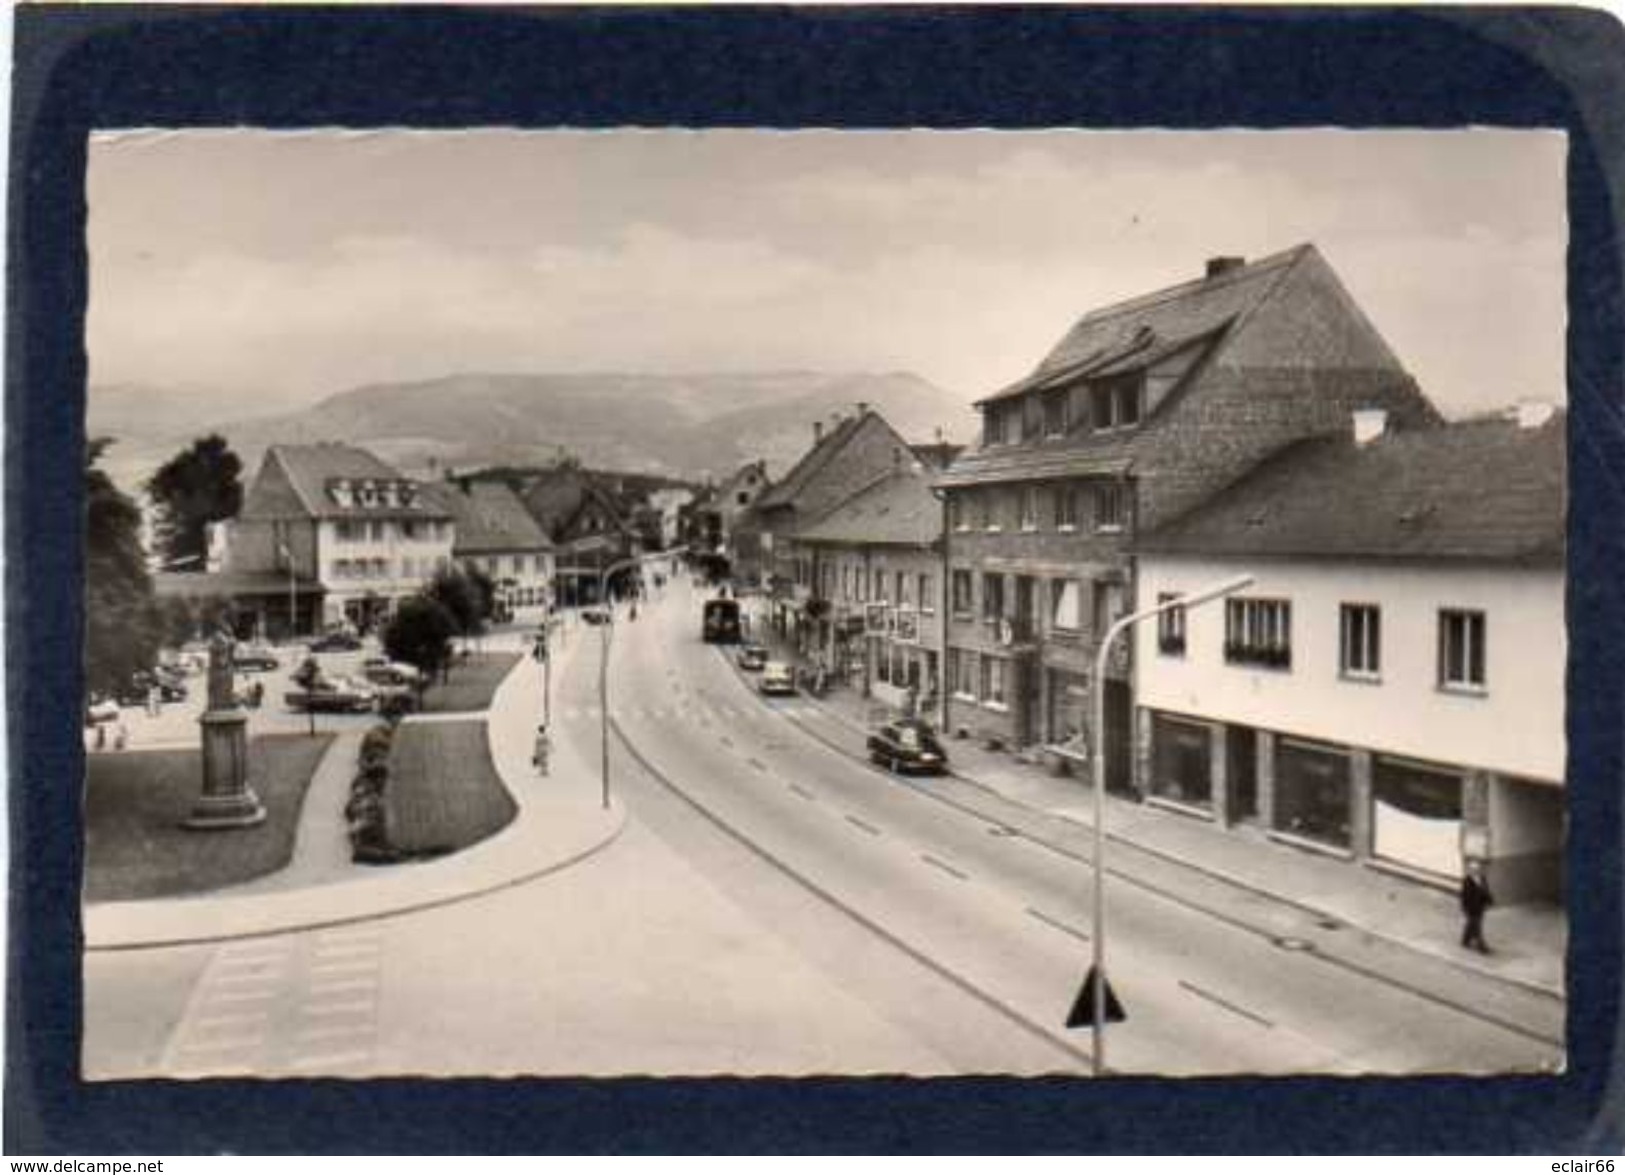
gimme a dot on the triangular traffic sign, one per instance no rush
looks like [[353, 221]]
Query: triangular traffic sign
[[1083, 1008]]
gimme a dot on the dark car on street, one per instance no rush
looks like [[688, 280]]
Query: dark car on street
[[908, 745], [338, 694], [247, 658], [337, 641], [752, 658], [136, 691]]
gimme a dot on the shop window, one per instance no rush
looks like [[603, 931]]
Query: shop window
[[1258, 632], [1416, 815], [1066, 605], [963, 603], [1360, 641], [1068, 707], [1312, 792], [1181, 762], [1461, 650], [1170, 627]]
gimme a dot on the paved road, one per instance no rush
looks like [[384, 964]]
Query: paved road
[[776, 905]]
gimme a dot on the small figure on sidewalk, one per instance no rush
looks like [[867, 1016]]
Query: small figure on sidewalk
[[1475, 900], [155, 701], [538, 758], [121, 736]]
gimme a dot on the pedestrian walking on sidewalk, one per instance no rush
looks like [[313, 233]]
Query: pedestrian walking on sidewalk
[[538, 757], [1475, 900]]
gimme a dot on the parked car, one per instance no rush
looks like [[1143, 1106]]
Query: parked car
[[339, 694], [134, 692], [337, 641], [777, 678], [595, 615], [752, 657], [249, 658], [382, 671], [908, 745]]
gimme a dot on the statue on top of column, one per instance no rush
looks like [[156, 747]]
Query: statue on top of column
[[222, 691]]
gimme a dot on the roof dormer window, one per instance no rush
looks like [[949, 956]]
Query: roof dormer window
[[995, 425], [407, 493], [1116, 402], [340, 491]]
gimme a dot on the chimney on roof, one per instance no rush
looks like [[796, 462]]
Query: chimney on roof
[[1369, 424], [1534, 413], [863, 406], [818, 431], [1219, 266]]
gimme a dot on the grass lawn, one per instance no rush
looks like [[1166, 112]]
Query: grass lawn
[[471, 685], [135, 801], [443, 793]]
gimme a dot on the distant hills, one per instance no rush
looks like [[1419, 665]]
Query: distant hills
[[688, 426]]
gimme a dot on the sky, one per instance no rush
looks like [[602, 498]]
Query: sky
[[279, 266]]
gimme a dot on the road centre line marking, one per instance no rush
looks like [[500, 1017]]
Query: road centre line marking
[[1225, 1004], [321, 1009], [863, 824], [1058, 924], [938, 863], [332, 1031]]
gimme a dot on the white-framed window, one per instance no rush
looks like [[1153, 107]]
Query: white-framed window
[[1170, 627], [1258, 632], [1461, 650], [928, 595], [1066, 605], [1066, 507], [1360, 641], [902, 589], [1115, 402], [1111, 506], [880, 587], [992, 502], [962, 673], [993, 681], [992, 595], [957, 514], [1106, 605], [1029, 507], [377, 529], [964, 602], [1055, 413], [995, 426]]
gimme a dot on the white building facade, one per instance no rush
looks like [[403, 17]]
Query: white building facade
[[1390, 690]]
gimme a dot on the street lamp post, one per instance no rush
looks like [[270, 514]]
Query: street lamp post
[[603, 657], [1187, 602]]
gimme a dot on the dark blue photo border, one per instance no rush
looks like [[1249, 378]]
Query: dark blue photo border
[[78, 70]]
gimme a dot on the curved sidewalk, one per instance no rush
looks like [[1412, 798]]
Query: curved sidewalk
[[560, 821]]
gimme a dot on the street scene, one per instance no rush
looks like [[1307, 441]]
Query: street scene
[[1182, 695]]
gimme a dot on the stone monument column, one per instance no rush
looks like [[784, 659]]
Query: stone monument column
[[227, 801]]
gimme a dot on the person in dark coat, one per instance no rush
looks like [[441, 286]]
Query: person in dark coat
[[1475, 900]]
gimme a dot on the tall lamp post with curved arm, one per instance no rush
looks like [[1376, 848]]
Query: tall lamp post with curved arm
[[603, 650], [1120, 625]]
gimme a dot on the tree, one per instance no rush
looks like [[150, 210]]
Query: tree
[[463, 598], [485, 592], [420, 634], [122, 620], [195, 487]]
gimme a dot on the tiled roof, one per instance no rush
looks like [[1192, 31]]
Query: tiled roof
[[784, 491], [1130, 335], [1476, 490], [296, 478], [1106, 458], [488, 516], [898, 509]]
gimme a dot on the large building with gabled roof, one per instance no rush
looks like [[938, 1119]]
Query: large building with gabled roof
[[1143, 410], [350, 533]]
